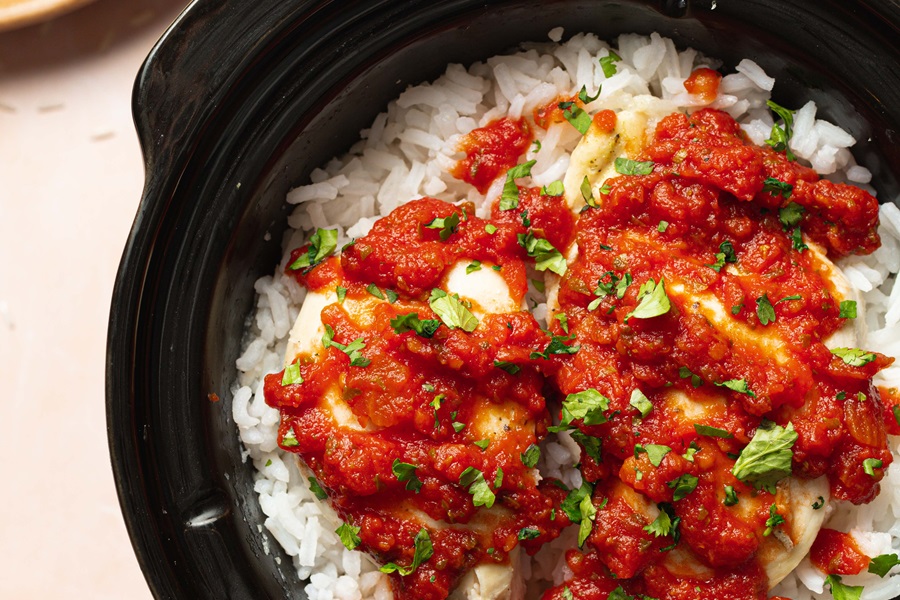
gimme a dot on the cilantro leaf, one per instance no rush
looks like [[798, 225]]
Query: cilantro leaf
[[773, 521], [881, 564], [411, 322], [839, 591], [546, 257], [576, 116], [592, 445], [509, 367], [289, 439], [554, 189], [292, 374], [666, 523], [710, 431], [483, 444], [655, 452], [854, 356], [406, 472], [556, 346], [316, 489], [349, 535], [780, 136], [777, 187], [730, 496], [791, 215], [848, 309], [683, 486], [528, 533], [447, 225], [352, 349], [608, 64], [531, 456], [869, 466], [475, 265], [767, 458], [341, 292], [584, 97], [626, 166], [509, 198], [640, 402], [322, 243], [452, 311], [653, 301], [588, 514], [423, 551], [473, 479], [684, 373], [587, 405], [587, 193], [563, 321], [764, 310], [573, 501], [738, 385]]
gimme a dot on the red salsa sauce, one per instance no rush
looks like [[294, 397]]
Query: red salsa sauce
[[720, 222]]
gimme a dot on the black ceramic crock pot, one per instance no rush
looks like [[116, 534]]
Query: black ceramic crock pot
[[241, 99]]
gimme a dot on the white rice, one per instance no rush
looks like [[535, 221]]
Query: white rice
[[406, 154]]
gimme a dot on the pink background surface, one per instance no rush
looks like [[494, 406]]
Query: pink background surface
[[71, 176]]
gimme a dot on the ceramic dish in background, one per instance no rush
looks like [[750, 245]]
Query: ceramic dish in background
[[241, 100], [20, 13]]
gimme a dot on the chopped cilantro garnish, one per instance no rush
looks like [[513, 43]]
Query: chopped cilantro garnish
[[653, 301], [457, 426], [536, 146], [473, 479], [573, 500], [584, 97], [767, 458], [447, 225], [289, 439], [819, 503], [576, 116], [881, 564], [483, 444], [352, 349], [528, 533], [587, 193], [840, 591], [781, 136], [563, 321], [509, 198], [791, 215], [655, 452], [375, 291], [588, 514], [322, 243], [509, 367], [738, 385], [546, 257], [666, 523], [556, 346], [316, 489], [777, 187], [406, 472], [869, 466], [683, 486], [730, 496], [797, 239], [498, 478], [341, 293], [854, 356], [349, 536], [531, 456], [587, 405], [684, 373], [663, 225], [626, 166], [490, 228], [554, 189], [640, 402], [848, 309], [608, 64], [710, 431], [773, 521], [411, 322], [423, 551], [592, 445], [292, 374], [475, 265], [764, 310], [452, 311]]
